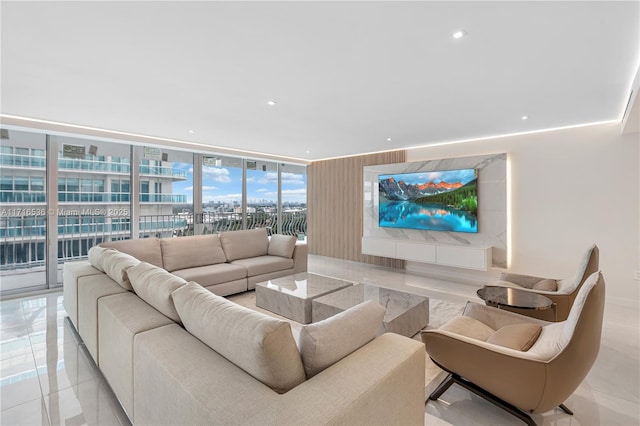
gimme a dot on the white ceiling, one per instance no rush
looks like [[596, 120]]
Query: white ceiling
[[345, 75]]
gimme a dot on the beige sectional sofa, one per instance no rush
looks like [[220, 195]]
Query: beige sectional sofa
[[176, 353]]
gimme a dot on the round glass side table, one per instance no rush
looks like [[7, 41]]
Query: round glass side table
[[498, 297]]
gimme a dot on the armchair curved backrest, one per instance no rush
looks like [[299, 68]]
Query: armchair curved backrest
[[535, 380], [580, 336], [588, 265], [567, 288]]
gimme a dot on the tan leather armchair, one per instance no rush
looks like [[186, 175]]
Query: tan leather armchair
[[485, 350], [565, 290]]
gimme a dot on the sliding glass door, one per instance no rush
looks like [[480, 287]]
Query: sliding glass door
[[23, 211]]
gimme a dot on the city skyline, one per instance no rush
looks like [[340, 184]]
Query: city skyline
[[224, 184]]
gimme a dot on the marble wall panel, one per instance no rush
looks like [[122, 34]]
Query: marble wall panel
[[492, 204]]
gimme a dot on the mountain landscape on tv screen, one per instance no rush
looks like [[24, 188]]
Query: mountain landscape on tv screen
[[401, 191], [439, 201]]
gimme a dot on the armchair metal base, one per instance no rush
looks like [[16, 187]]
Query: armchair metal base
[[454, 378]]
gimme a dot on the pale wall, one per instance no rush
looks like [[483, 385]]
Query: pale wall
[[569, 189]]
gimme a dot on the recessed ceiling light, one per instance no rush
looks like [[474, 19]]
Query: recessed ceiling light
[[459, 34], [308, 152], [525, 117], [191, 131], [388, 139], [271, 103]]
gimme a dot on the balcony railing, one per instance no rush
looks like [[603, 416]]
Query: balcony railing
[[32, 161], [162, 171], [93, 165], [17, 160], [163, 198], [15, 196]]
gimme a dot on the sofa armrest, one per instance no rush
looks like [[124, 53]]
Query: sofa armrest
[[71, 273], [380, 383], [300, 257]]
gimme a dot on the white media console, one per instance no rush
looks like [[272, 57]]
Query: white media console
[[478, 258]]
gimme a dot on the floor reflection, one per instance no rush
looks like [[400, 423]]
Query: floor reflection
[[46, 374]]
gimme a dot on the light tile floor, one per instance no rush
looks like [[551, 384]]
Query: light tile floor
[[48, 378]]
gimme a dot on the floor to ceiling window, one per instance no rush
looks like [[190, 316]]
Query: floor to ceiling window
[[23, 210], [262, 195], [100, 191], [166, 193], [293, 187], [93, 195], [221, 194]]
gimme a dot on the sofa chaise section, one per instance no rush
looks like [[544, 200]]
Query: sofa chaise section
[[380, 383]]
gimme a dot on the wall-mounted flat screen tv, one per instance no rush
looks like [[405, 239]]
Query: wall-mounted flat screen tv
[[444, 200]]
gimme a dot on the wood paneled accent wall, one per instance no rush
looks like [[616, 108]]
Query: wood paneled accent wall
[[334, 207]]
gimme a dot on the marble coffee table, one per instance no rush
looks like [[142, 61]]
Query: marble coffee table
[[406, 314], [291, 296]]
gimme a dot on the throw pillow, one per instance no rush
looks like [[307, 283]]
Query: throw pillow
[[282, 245], [154, 285], [260, 345], [546, 285], [516, 336], [326, 342], [116, 265]]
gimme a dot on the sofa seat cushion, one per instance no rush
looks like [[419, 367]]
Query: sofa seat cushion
[[264, 264], [154, 285], [262, 346], [245, 244], [282, 245], [144, 249], [326, 342], [213, 274], [189, 252]]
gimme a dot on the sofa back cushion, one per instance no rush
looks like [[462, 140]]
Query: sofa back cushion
[[262, 346], [244, 244], [143, 249], [190, 252], [282, 245], [154, 285], [326, 342], [116, 265], [95, 257]]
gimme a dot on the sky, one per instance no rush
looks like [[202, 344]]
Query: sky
[[450, 176], [225, 184]]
